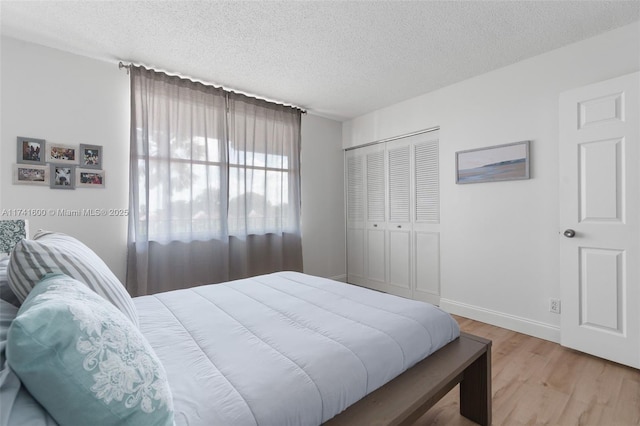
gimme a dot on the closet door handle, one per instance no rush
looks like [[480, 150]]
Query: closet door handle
[[375, 225], [399, 226]]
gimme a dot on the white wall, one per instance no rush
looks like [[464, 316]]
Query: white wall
[[67, 99], [500, 240], [70, 99], [323, 229]]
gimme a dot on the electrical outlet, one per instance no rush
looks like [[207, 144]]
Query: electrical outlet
[[554, 306]]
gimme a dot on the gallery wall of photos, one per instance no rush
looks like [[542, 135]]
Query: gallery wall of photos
[[58, 166]]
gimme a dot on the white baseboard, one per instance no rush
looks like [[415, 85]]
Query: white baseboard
[[500, 319], [341, 278]]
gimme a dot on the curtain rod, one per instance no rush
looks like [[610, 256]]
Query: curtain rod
[[393, 138], [122, 65]]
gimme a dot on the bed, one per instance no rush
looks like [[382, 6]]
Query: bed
[[278, 349]]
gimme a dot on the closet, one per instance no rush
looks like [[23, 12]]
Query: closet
[[393, 216]]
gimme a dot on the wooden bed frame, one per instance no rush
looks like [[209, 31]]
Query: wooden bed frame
[[466, 360]]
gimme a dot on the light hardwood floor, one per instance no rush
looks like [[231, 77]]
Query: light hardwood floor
[[537, 382]]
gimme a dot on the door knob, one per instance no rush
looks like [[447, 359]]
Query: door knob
[[569, 233]]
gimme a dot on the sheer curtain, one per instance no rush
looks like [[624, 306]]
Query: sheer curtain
[[204, 207], [264, 186]]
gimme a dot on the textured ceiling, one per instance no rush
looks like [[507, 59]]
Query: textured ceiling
[[334, 58]]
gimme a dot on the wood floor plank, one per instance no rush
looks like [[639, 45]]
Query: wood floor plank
[[534, 407], [563, 368], [538, 382], [584, 414], [628, 403], [599, 382]]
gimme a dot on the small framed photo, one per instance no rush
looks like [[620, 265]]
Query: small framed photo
[[90, 178], [90, 156], [29, 174], [61, 154], [31, 151], [63, 176], [494, 163]]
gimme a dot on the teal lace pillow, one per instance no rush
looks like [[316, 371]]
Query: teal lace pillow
[[84, 361], [11, 232]]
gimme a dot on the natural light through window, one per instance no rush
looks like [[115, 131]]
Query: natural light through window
[[192, 202]]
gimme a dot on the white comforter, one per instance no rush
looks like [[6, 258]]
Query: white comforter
[[284, 349]]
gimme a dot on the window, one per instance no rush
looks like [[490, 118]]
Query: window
[[214, 185], [188, 205], [211, 164]]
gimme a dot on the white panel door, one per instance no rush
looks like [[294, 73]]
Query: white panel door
[[399, 214], [600, 219]]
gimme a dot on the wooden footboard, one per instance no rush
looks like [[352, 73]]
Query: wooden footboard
[[466, 360]]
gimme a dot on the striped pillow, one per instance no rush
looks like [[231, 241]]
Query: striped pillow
[[50, 252]]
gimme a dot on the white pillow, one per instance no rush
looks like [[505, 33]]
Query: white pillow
[[51, 252]]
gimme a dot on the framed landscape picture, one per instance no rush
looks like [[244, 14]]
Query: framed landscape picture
[[495, 163], [31, 151]]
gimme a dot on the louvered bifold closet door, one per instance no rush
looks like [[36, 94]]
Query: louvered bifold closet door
[[355, 186], [399, 184], [427, 183], [426, 224], [375, 186], [376, 226], [355, 178], [393, 216], [399, 223]]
